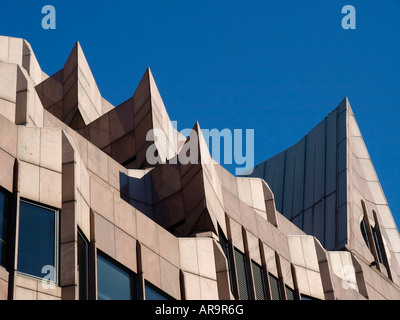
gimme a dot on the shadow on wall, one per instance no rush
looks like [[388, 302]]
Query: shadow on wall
[[137, 191]]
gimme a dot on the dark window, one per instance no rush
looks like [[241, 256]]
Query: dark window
[[303, 297], [290, 293], [113, 281], [3, 228], [275, 287], [377, 244], [259, 285], [364, 234], [241, 271], [153, 293], [38, 241], [225, 247], [83, 266]]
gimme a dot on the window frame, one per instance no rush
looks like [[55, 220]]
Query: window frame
[[377, 242], [57, 233], [87, 242], [364, 233], [4, 256], [237, 252], [292, 291], [156, 289], [304, 297], [263, 282], [133, 277], [279, 287], [226, 248]]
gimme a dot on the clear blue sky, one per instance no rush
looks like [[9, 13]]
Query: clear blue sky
[[278, 67]]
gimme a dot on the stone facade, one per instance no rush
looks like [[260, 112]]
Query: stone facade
[[189, 231]]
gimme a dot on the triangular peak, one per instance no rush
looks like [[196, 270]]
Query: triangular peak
[[367, 202], [195, 150], [313, 180], [72, 93], [326, 183], [149, 107]]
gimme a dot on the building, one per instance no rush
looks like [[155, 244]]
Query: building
[[84, 215]]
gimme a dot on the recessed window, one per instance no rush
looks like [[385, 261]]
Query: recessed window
[[242, 276], [153, 293], [377, 244], [38, 241], [3, 228], [373, 239], [83, 266], [225, 247], [275, 287], [364, 234], [114, 282], [304, 297], [259, 286], [290, 293]]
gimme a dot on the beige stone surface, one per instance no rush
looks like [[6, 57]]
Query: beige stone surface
[[147, 232], [8, 82], [188, 254], [205, 258], [24, 294], [29, 184], [3, 290], [75, 151], [170, 279], [192, 286], [125, 249], [6, 171], [105, 235], [151, 266], [50, 188]]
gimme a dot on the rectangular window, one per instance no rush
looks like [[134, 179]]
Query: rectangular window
[[38, 241], [83, 266], [114, 282], [259, 285], [3, 228], [153, 293], [364, 234], [242, 276], [304, 297], [225, 247], [377, 245], [290, 293], [275, 287]]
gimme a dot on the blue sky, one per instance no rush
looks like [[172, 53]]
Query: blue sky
[[278, 67]]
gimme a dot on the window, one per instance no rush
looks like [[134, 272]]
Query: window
[[114, 282], [83, 266], [225, 247], [38, 241], [241, 271], [153, 293], [259, 286], [275, 287], [373, 239], [377, 244], [304, 297], [3, 228], [290, 293], [364, 234]]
